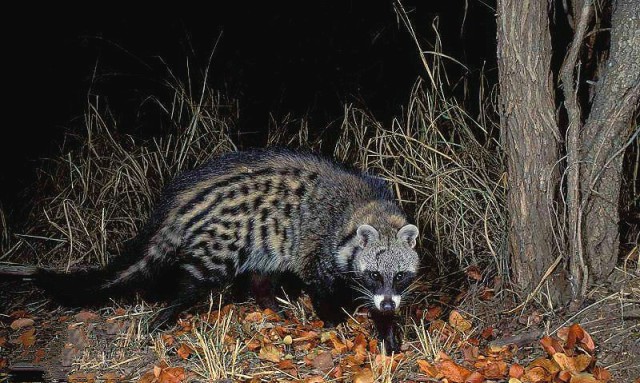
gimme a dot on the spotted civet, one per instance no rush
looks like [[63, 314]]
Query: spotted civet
[[265, 212]]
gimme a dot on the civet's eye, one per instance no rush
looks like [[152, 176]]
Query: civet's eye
[[399, 276], [375, 275]]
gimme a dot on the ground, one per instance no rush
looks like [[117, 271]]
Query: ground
[[478, 340]]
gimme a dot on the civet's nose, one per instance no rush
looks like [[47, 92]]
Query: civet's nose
[[387, 304]]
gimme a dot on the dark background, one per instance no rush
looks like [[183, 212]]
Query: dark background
[[305, 58]]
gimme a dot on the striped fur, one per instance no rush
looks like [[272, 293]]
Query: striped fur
[[266, 212]]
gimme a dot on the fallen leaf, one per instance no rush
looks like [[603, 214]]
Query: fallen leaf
[[495, 369], [111, 377], [184, 351], [427, 368], [253, 344], [40, 353], [338, 346], [27, 338], [323, 362], [21, 322], [563, 377], [474, 273], [270, 352], [314, 379], [487, 294], [171, 375], [536, 374], [363, 376], [452, 371], [475, 377], [550, 345], [516, 371], [487, 333], [433, 313], [574, 335], [168, 339], [286, 364], [601, 374], [85, 316], [583, 378], [255, 316], [457, 321]]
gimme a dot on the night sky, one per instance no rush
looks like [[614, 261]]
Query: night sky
[[304, 58]]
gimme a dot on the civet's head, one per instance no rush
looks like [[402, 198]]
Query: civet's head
[[384, 266]]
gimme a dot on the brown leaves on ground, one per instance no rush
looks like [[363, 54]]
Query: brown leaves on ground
[[164, 374], [569, 357], [295, 350]]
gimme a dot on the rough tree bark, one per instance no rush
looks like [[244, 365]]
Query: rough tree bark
[[584, 249], [530, 140], [603, 138]]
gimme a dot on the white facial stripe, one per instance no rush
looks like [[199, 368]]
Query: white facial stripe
[[396, 300], [377, 299]]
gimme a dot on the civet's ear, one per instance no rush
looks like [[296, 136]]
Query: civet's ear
[[408, 234], [366, 235]]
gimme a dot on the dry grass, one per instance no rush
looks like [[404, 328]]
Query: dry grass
[[444, 166]]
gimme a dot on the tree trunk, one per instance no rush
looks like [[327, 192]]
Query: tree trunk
[[603, 139], [530, 139]]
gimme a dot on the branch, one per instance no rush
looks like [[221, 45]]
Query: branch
[[578, 268]]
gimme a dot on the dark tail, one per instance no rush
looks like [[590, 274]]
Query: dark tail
[[122, 277], [82, 288]]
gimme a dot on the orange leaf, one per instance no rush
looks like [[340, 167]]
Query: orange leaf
[[544, 363], [487, 333], [516, 371], [253, 344], [314, 379], [550, 345], [457, 321], [584, 378], [184, 351], [323, 362], [427, 368], [172, 375], [536, 374], [255, 316], [27, 338], [487, 294], [168, 339], [575, 334], [86, 316], [111, 377], [433, 312], [452, 371], [474, 273], [286, 364], [581, 362], [565, 362], [21, 322], [270, 352], [373, 346], [40, 353], [338, 346], [495, 369], [475, 377], [587, 343], [602, 374], [563, 376], [363, 376]]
